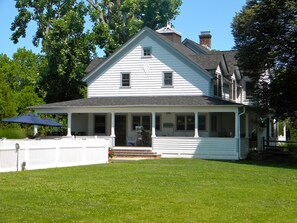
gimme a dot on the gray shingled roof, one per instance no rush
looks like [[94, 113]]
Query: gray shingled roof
[[94, 63], [142, 101], [230, 57], [209, 61], [200, 48]]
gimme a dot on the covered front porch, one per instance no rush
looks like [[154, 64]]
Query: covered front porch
[[201, 134], [175, 126]]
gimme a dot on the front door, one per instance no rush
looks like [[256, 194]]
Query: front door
[[120, 130]]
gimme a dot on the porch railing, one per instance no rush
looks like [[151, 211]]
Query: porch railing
[[279, 146]]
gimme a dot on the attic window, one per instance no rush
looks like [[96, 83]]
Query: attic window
[[125, 80], [147, 51], [167, 79]]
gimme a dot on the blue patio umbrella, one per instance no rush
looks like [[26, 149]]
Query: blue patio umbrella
[[32, 120], [50, 122], [25, 119]]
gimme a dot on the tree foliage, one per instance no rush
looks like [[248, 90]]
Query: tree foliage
[[68, 52], [116, 21], [265, 34], [19, 83], [66, 45]]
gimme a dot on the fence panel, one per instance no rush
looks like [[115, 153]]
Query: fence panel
[[41, 154]]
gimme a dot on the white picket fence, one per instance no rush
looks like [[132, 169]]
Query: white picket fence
[[50, 153]]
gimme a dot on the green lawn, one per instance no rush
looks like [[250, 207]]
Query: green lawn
[[165, 190]]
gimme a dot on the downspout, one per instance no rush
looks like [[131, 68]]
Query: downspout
[[239, 141]]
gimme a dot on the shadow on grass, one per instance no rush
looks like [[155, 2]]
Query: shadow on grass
[[278, 161]]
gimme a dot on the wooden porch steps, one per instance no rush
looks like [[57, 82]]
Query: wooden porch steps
[[134, 154]]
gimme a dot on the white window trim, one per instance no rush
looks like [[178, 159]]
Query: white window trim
[[146, 48], [163, 79], [121, 84]]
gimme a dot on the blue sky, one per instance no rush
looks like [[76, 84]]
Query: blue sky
[[195, 16]]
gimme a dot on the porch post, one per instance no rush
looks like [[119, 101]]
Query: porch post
[[112, 132], [69, 124], [153, 124], [246, 125], [285, 131], [196, 135], [35, 126]]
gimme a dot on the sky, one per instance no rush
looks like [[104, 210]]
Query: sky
[[195, 16]]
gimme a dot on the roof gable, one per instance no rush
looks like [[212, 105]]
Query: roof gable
[[179, 50]]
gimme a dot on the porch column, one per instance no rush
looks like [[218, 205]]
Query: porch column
[[69, 124], [112, 131], [35, 126], [285, 131], [246, 125], [153, 124], [196, 135]]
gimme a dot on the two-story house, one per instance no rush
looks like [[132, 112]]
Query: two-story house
[[179, 99]]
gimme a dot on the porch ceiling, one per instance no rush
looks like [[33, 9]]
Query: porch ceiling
[[142, 101]]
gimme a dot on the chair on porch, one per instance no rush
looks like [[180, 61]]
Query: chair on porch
[[131, 141]]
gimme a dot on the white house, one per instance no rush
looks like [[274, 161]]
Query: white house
[[179, 99]]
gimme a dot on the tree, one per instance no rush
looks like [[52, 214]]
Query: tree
[[19, 82], [68, 53], [116, 21], [265, 33], [7, 105], [67, 47]]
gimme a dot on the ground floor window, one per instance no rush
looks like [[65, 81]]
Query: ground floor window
[[185, 122], [100, 124], [145, 121], [202, 122]]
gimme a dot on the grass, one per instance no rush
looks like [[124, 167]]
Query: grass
[[166, 190]]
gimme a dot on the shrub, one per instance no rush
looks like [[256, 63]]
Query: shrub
[[13, 133]]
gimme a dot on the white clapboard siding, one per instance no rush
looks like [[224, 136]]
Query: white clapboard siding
[[187, 147], [146, 74]]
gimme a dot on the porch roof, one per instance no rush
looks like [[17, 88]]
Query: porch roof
[[142, 101]]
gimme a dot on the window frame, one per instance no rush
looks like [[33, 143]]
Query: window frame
[[145, 50], [122, 80], [164, 79]]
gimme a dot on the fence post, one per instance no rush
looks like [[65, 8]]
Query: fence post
[[17, 149]]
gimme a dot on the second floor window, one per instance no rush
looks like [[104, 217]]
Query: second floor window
[[233, 90], [249, 89], [167, 79], [125, 80], [218, 86]]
